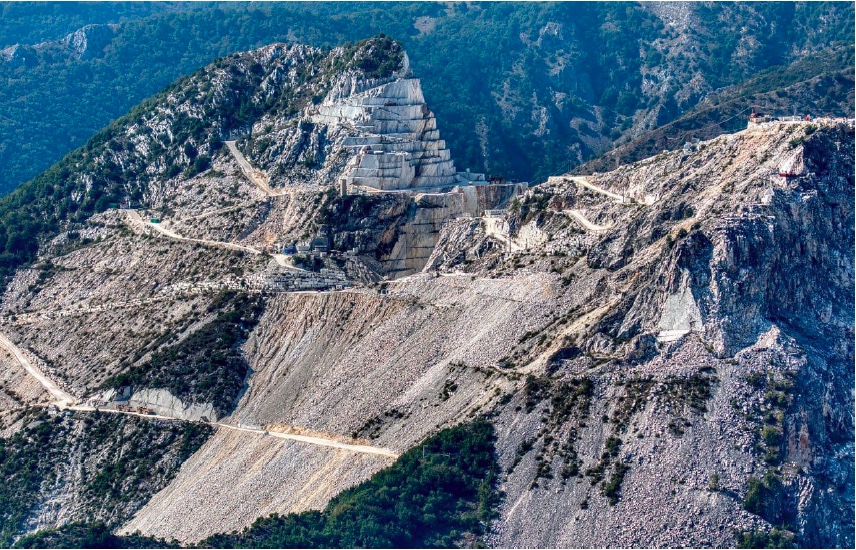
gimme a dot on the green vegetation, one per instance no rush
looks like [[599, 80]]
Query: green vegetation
[[88, 535], [774, 538], [124, 462], [771, 496], [713, 482], [636, 391], [767, 498], [776, 400], [566, 58], [33, 22], [612, 487], [437, 495], [569, 401], [688, 394], [441, 500], [207, 366], [820, 83]]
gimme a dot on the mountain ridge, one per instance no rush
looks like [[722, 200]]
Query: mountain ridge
[[550, 83], [663, 350]]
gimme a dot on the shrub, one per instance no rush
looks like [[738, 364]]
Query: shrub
[[207, 366], [775, 538]]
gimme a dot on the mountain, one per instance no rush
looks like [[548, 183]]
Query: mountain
[[569, 82], [821, 83], [308, 326]]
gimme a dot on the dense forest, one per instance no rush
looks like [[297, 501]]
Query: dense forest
[[819, 83], [521, 89]]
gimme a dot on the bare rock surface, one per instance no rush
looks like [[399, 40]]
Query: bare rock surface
[[650, 343], [237, 477]]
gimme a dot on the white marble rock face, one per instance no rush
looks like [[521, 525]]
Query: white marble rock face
[[395, 135]]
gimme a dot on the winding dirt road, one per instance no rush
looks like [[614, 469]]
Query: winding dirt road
[[63, 399], [69, 402], [321, 441], [582, 182], [588, 225], [135, 219]]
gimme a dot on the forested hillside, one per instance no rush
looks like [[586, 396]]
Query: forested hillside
[[519, 89], [438, 495], [818, 84]]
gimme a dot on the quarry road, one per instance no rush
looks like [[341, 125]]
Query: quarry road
[[258, 178], [282, 261], [324, 442], [311, 440], [63, 398], [497, 228], [224, 210], [137, 220], [582, 182], [577, 215], [67, 401]]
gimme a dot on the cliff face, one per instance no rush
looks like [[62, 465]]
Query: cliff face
[[648, 384], [665, 350], [717, 336]]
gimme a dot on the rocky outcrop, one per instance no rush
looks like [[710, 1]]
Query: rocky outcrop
[[419, 235], [89, 41], [393, 134], [665, 350], [719, 315], [163, 403]]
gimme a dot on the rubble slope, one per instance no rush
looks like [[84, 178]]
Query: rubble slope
[[665, 350]]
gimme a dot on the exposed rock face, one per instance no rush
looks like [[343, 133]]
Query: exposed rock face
[[418, 237], [395, 135], [756, 272], [89, 41], [166, 404], [645, 341], [17, 55], [378, 134]]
